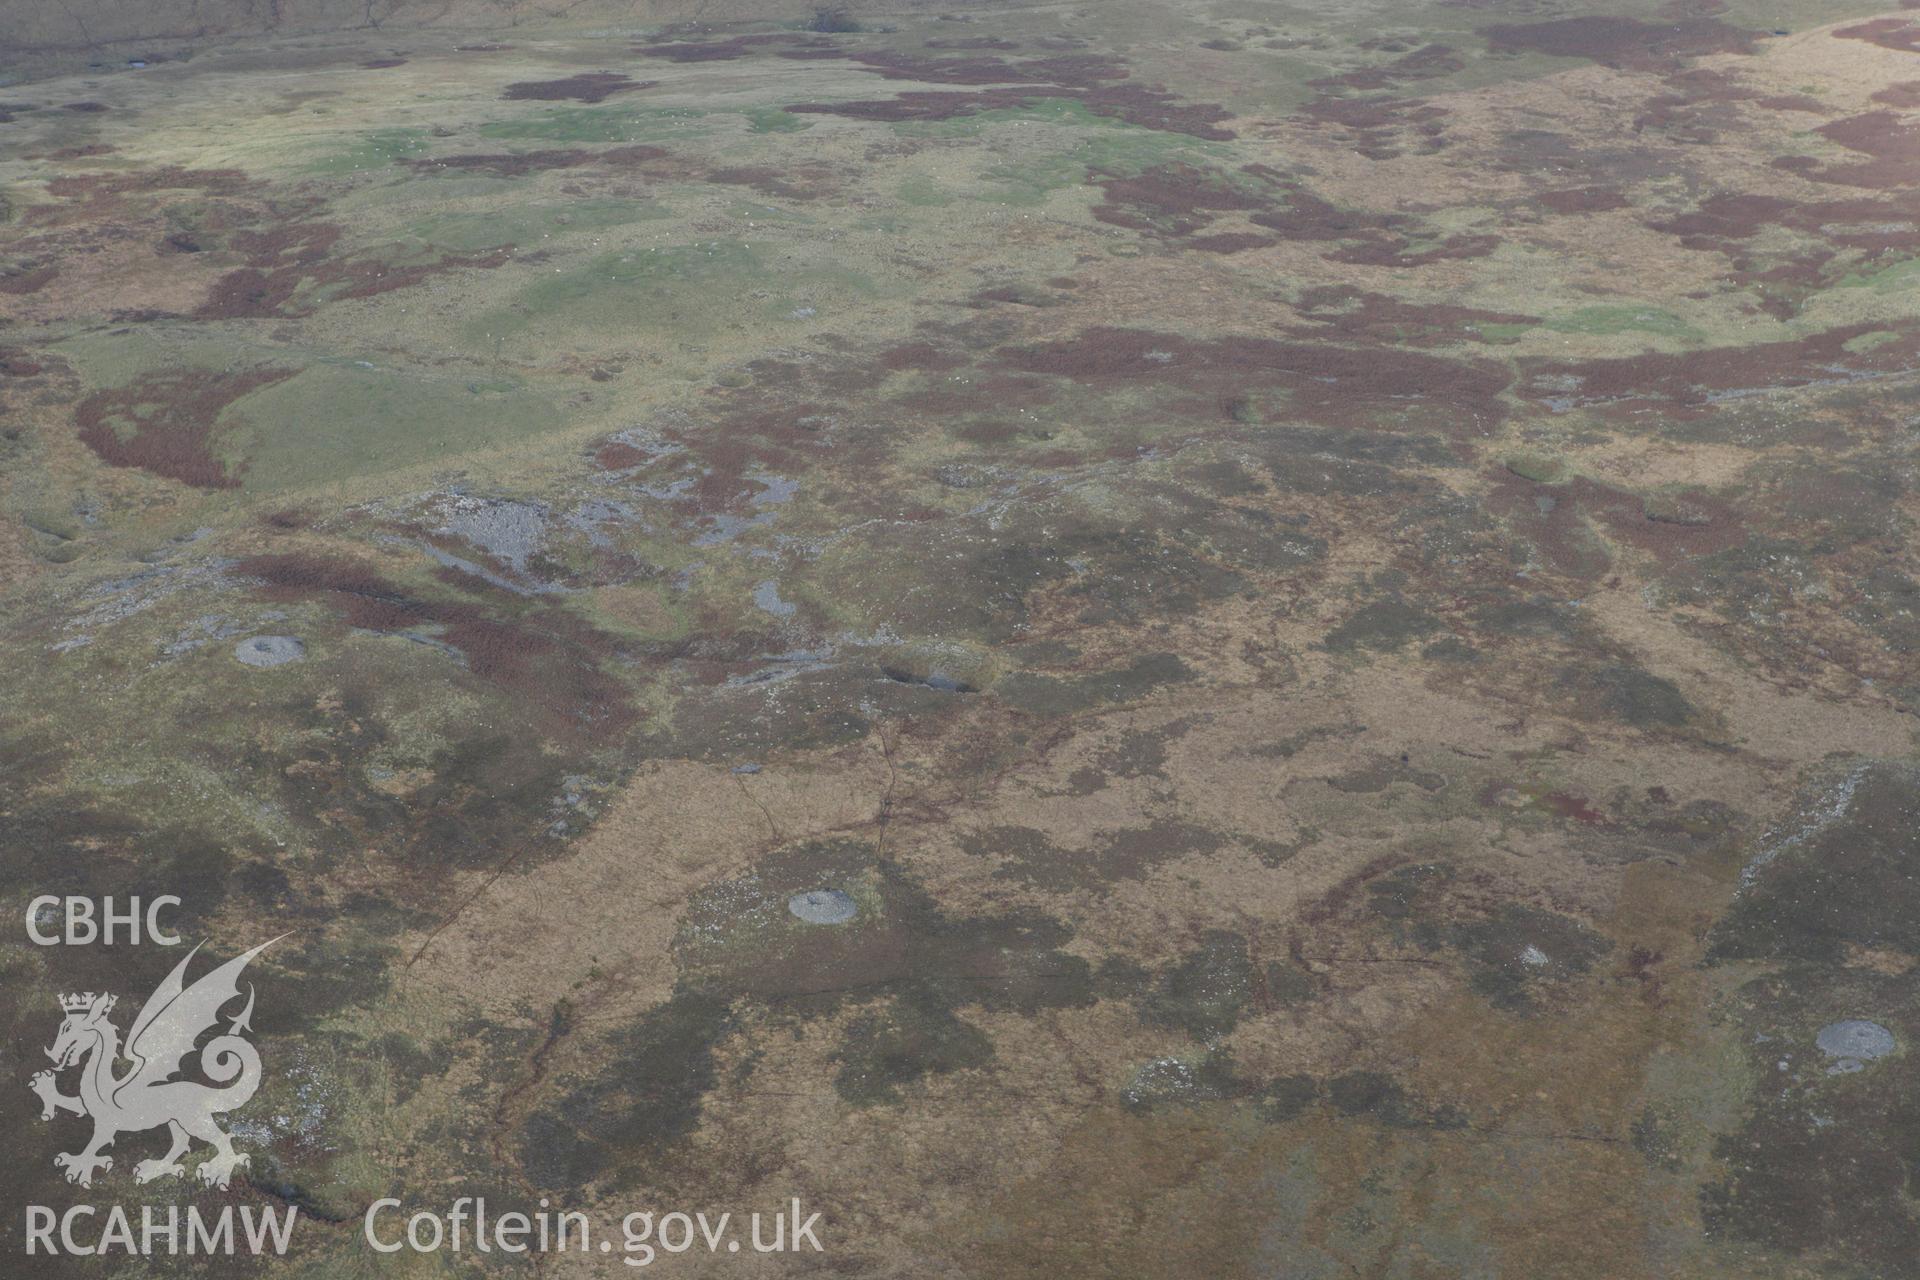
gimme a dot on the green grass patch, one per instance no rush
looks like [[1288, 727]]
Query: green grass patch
[[685, 289], [336, 420], [1866, 342], [1901, 275], [923, 192], [1121, 150], [775, 120], [1612, 320], [598, 124], [376, 150]]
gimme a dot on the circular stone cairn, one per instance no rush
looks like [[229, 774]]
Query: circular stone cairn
[[269, 651], [822, 906], [1854, 1042]]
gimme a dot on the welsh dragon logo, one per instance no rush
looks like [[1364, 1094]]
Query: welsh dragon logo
[[147, 1095]]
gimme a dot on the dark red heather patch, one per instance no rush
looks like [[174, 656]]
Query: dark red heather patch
[[1380, 253], [1553, 518], [1862, 223], [32, 280], [617, 455], [1699, 378], [1355, 315], [1566, 805], [1422, 64], [101, 197], [1169, 200], [634, 155], [1583, 200], [1734, 216], [590, 86], [808, 182], [1147, 108], [1851, 234], [290, 519], [988, 395], [1381, 128], [281, 261], [1887, 136], [1888, 33], [551, 662], [1699, 105], [163, 422], [1153, 109], [1327, 383], [755, 434], [984, 433], [382, 64], [1621, 42], [921, 356], [361, 596], [1366, 238], [548, 659], [14, 363], [1905, 96], [86, 108]]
